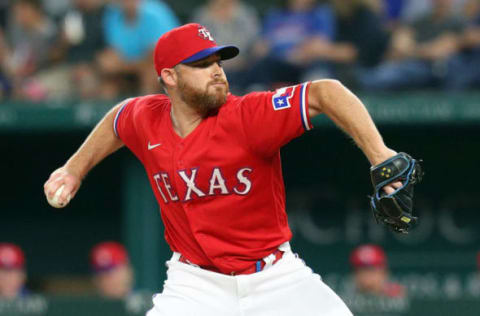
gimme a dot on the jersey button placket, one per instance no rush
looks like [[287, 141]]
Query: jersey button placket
[[179, 155], [177, 164]]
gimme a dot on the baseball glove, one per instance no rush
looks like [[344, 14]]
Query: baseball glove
[[395, 209]]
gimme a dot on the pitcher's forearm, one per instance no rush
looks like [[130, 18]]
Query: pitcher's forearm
[[349, 114], [101, 142]]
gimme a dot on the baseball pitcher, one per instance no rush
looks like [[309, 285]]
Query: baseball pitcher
[[213, 162]]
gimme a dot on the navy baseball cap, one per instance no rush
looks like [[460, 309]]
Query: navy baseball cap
[[186, 44]]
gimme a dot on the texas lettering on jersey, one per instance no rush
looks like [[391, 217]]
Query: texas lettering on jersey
[[217, 184]]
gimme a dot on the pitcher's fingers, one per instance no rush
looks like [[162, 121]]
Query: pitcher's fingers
[[397, 184], [67, 193], [388, 189], [62, 200], [54, 176], [52, 187]]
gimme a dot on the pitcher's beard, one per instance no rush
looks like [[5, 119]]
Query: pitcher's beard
[[205, 103]]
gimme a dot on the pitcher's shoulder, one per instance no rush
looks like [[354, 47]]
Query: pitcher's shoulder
[[234, 101], [153, 102]]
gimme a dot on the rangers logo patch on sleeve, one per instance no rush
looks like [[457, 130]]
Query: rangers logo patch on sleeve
[[281, 98]]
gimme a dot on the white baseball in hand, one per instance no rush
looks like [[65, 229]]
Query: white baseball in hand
[[55, 200]]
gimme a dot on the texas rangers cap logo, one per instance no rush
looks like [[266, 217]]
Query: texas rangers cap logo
[[205, 34]]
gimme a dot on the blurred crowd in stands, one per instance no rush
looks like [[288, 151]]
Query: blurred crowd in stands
[[112, 273], [102, 49], [113, 277]]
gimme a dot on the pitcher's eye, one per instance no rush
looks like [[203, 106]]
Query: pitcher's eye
[[202, 64]]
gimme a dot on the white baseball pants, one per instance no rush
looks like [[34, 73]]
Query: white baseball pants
[[286, 288]]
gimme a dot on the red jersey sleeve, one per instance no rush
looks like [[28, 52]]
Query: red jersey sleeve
[[272, 119], [126, 125]]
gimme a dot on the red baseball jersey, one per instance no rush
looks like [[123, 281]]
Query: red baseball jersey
[[220, 189]]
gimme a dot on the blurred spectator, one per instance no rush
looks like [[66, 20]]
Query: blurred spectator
[[4, 81], [57, 8], [81, 39], [466, 66], [420, 52], [360, 25], [371, 275], [27, 48], [296, 44], [4, 5], [234, 22], [393, 10], [83, 30], [113, 275], [12, 271], [132, 28], [415, 9], [471, 36]]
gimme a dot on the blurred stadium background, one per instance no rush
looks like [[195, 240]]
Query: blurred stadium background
[[55, 87]]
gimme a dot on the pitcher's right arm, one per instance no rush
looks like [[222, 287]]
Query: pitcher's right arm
[[99, 144]]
